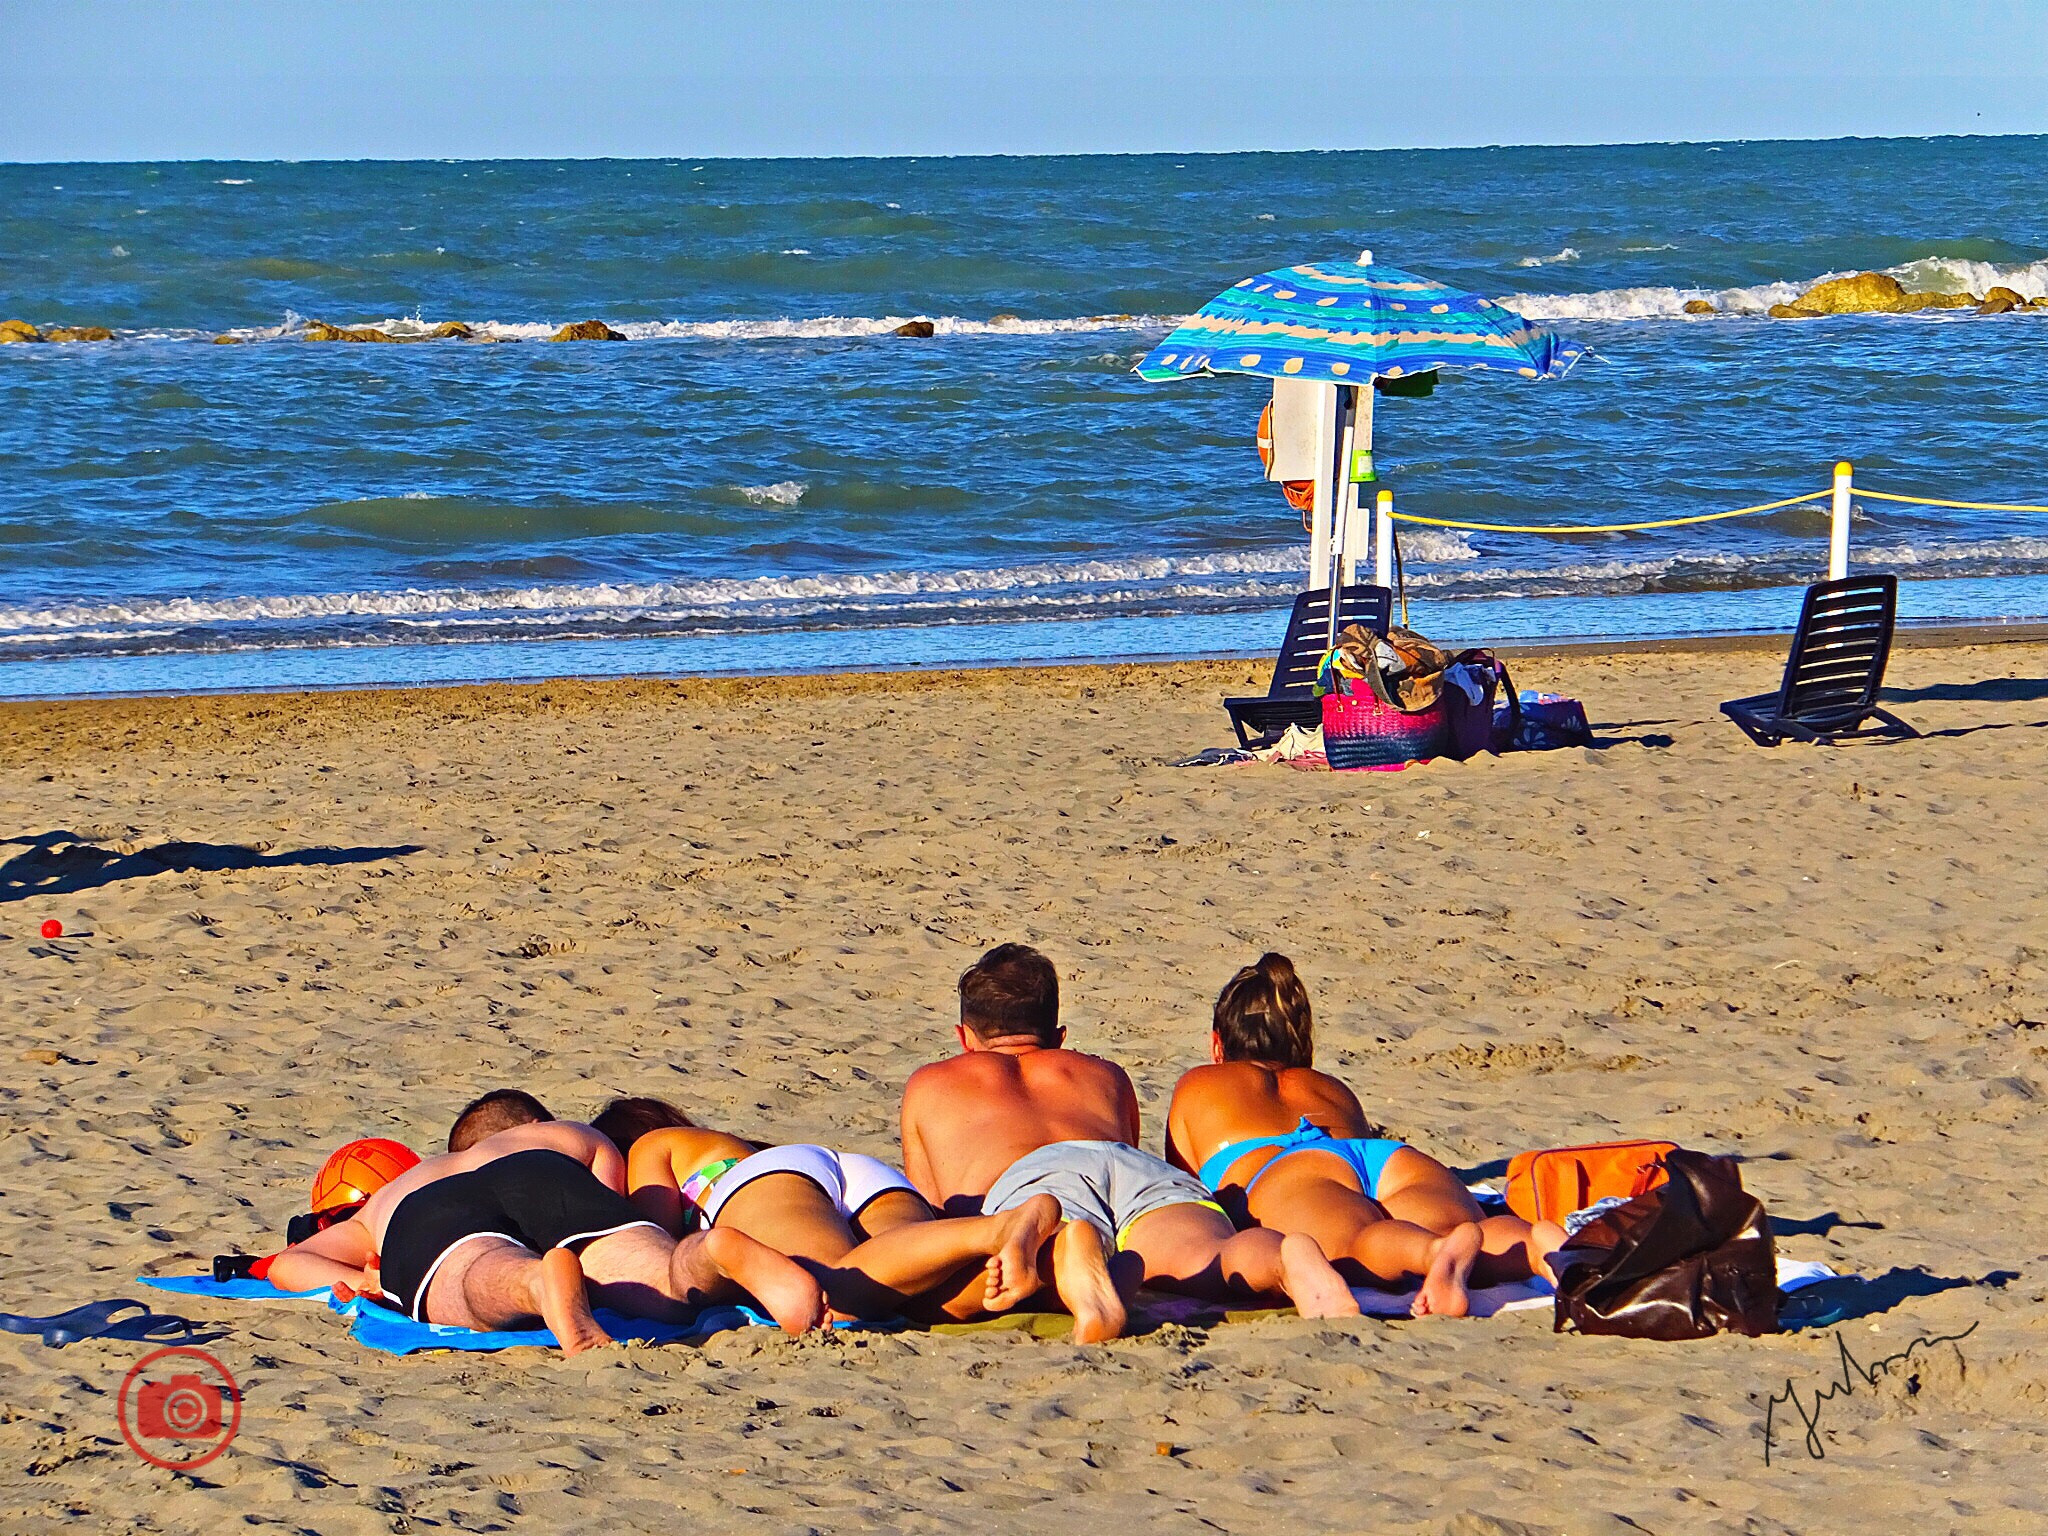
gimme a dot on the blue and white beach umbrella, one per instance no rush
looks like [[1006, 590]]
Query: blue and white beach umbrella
[[1346, 325], [1342, 322]]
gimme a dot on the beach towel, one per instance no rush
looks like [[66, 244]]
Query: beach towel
[[378, 1327], [393, 1333], [1154, 1309], [227, 1290]]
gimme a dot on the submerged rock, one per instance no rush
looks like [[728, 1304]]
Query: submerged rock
[[1700, 307], [919, 328], [18, 331], [320, 330], [587, 330], [225, 340], [78, 333], [1867, 293], [454, 328]]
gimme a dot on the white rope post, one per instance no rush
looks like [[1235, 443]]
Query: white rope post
[[1838, 534], [1383, 541], [1358, 530], [1343, 495]]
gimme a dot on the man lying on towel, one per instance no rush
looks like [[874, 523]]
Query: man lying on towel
[[1016, 1115], [523, 1220]]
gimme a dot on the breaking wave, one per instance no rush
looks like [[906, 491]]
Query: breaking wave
[[1442, 567], [1933, 274], [781, 328], [783, 493], [1927, 274]]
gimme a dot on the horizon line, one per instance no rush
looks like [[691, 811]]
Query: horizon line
[[1091, 154]]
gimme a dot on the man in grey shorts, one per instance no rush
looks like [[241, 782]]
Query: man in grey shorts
[[1107, 1184], [1016, 1114]]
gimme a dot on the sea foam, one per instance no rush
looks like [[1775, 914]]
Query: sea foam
[[1932, 274], [1926, 274], [854, 601]]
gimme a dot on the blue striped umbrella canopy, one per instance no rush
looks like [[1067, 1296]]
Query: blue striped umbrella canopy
[[1343, 322]]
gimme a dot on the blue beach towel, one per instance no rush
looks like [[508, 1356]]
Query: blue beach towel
[[393, 1333], [228, 1290]]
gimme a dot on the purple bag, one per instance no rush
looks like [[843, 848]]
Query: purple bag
[[1541, 722]]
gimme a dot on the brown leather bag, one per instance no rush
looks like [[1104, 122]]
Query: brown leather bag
[[1691, 1258]]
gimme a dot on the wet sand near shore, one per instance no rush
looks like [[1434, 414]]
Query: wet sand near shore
[[753, 897]]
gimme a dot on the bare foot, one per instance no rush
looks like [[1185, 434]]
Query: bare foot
[[564, 1305], [1450, 1265], [1013, 1267], [1315, 1288], [785, 1290], [1080, 1274]]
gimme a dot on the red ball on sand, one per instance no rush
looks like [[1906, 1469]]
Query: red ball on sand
[[52, 929]]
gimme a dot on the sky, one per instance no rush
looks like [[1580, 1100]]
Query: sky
[[429, 79]]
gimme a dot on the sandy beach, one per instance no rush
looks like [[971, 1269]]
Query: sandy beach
[[754, 898]]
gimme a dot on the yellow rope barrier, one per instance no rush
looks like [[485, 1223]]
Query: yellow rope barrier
[[1710, 517], [1669, 522], [1930, 501]]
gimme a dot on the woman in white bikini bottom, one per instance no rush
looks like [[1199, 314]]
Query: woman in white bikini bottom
[[854, 1222]]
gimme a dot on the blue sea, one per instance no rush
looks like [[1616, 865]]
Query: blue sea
[[764, 478]]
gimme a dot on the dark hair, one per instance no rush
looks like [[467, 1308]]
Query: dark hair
[[1262, 1014], [625, 1121], [498, 1110], [1011, 990]]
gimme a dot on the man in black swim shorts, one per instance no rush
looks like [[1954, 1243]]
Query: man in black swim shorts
[[524, 1225]]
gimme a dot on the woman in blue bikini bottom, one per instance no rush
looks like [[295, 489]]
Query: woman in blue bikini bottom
[[1289, 1146]]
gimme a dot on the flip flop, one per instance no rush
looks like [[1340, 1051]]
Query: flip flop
[[1812, 1307], [100, 1320]]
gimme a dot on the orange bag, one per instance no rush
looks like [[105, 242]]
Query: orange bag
[[1550, 1185]]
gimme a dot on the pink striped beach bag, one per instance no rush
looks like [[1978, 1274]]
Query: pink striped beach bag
[[1360, 731], [1365, 730]]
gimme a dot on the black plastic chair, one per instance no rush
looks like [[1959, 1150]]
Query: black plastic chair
[[1835, 671], [1291, 700]]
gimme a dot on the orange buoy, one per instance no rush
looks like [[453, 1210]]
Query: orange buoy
[[1300, 494]]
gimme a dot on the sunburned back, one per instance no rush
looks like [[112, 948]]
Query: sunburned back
[[569, 1137], [966, 1119], [1217, 1106]]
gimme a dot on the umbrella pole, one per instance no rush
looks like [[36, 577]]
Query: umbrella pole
[[1340, 499], [1358, 528]]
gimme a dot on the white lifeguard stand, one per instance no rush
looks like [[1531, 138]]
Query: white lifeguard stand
[[1322, 433]]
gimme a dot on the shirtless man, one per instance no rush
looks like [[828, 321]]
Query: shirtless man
[[1016, 1114], [525, 1217]]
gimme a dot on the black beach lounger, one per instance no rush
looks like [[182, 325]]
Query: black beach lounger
[[1835, 670], [1290, 701]]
